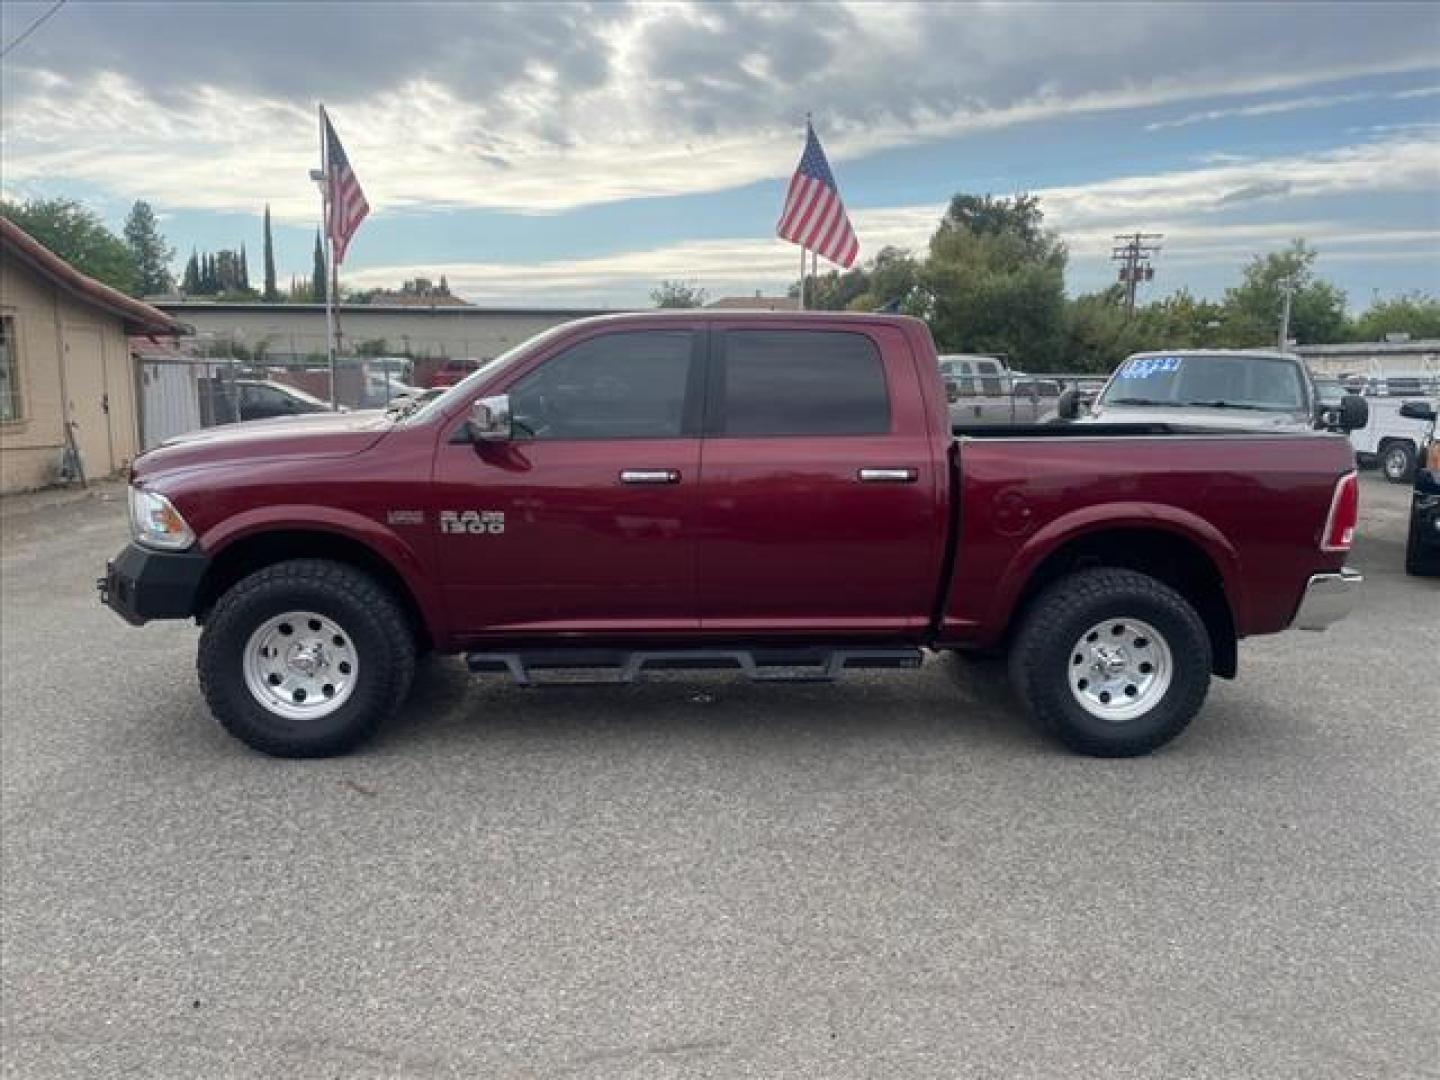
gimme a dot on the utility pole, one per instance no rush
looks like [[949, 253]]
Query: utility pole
[[1287, 288], [1134, 259]]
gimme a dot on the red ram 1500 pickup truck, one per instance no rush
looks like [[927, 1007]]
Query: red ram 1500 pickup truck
[[781, 493]]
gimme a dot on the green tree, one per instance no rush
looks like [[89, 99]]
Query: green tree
[[889, 280], [148, 248], [78, 236], [1416, 314], [271, 293], [317, 274], [190, 283], [1252, 309], [244, 270], [995, 281], [676, 294]]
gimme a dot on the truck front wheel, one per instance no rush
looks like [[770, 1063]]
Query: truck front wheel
[[1114, 663], [305, 658]]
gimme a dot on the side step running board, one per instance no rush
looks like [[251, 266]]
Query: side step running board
[[606, 667]]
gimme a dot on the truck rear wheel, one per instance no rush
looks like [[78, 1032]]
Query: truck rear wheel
[[1112, 662], [305, 658]]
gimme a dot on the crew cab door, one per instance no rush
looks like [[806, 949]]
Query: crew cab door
[[822, 507], [585, 520]]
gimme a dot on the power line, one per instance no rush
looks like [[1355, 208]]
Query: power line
[[32, 28], [1134, 259]]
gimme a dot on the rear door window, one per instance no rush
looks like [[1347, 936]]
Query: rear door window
[[797, 382]]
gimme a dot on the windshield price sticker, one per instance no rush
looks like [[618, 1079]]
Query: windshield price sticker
[[1142, 367]]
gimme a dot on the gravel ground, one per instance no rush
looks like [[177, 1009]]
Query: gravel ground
[[700, 877]]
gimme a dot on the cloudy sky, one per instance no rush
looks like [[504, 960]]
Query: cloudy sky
[[577, 154]]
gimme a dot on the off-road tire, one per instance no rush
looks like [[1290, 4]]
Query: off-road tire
[[1043, 649], [382, 637]]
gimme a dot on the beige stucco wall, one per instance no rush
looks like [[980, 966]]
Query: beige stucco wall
[[30, 448]]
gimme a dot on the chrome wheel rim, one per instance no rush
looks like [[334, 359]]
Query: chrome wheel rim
[[1395, 464], [1120, 669], [301, 665]]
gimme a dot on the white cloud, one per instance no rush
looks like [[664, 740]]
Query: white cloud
[[663, 99], [1264, 108], [1188, 206], [1402, 164]]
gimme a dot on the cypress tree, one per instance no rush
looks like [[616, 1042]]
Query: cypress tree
[[271, 293], [317, 275], [191, 282], [152, 255], [244, 270]]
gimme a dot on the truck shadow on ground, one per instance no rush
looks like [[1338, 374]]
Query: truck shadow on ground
[[946, 699]]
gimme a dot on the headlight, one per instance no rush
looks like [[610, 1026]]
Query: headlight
[[157, 524]]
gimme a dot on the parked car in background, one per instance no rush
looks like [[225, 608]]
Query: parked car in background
[[1422, 546], [452, 371], [232, 400], [381, 391], [1270, 391], [971, 376], [1394, 439]]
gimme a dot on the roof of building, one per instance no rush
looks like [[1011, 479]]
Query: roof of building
[[756, 303], [179, 308], [1372, 348], [138, 316], [382, 298]]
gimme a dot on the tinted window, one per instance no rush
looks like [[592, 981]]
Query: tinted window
[[617, 386], [796, 382]]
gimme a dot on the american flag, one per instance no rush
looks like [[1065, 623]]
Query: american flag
[[345, 205], [814, 217]]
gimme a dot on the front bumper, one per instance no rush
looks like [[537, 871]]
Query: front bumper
[[1328, 598], [140, 584]]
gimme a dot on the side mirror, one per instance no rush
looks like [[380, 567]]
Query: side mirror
[[1067, 406], [1354, 413], [490, 419], [1417, 410]]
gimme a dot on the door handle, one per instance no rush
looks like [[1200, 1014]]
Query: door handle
[[649, 476], [888, 476]]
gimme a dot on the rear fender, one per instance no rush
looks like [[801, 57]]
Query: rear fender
[[1104, 517]]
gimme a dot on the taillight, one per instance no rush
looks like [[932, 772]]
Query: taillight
[[1344, 514]]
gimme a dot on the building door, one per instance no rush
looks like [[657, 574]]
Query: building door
[[87, 404]]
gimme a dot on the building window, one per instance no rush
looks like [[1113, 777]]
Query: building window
[[11, 405]]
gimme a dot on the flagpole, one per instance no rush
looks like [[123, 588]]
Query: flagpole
[[802, 246], [329, 256]]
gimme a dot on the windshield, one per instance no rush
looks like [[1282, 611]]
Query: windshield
[[441, 404], [1221, 381]]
